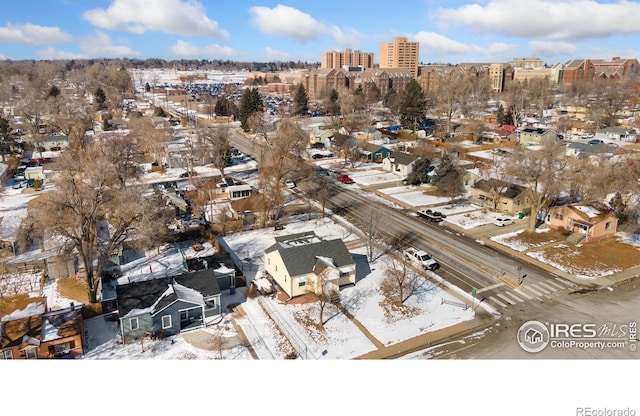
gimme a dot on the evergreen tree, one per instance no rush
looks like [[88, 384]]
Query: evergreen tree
[[100, 99], [300, 102], [391, 100], [222, 107], [447, 178], [500, 116], [418, 174], [53, 92], [249, 105], [413, 105], [332, 106]]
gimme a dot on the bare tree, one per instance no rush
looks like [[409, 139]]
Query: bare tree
[[539, 171], [372, 222], [216, 143], [322, 289], [92, 213], [400, 279]]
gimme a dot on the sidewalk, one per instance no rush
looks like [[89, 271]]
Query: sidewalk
[[482, 321]]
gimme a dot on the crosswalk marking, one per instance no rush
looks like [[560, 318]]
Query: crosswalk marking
[[491, 298], [484, 289], [503, 297], [540, 288], [570, 284], [530, 288], [513, 295], [554, 284], [548, 286], [523, 293]]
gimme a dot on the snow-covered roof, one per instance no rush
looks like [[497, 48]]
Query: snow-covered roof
[[589, 210], [32, 309]]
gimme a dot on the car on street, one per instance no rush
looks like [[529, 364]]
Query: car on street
[[290, 184], [422, 258], [502, 221], [344, 178]]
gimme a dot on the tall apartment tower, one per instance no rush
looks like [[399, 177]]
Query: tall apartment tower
[[400, 54], [338, 59]]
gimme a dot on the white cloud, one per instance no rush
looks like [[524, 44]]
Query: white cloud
[[101, 45], [275, 55], [551, 48], [499, 51], [178, 17], [52, 53], [290, 22], [434, 43], [188, 50], [545, 19], [32, 34]]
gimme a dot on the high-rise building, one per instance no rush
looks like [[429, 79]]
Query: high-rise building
[[339, 59], [400, 54]]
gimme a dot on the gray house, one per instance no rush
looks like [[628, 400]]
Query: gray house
[[167, 306], [374, 152], [399, 162], [617, 133]]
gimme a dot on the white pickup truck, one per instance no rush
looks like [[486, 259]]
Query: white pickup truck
[[422, 258]]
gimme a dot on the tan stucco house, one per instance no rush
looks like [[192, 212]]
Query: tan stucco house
[[294, 261], [594, 220]]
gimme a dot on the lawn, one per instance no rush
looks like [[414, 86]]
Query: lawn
[[590, 260]]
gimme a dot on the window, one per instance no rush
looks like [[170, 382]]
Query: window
[[6, 355], [607, 225], [302, 281], [183, 316], [166, 321], [133, 324], [211, 303], [64, 347], [31, 353], [558, 216]]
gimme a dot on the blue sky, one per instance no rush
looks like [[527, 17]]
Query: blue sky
[[241, 30]]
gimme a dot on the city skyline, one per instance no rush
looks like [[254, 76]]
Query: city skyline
[[447, 31]]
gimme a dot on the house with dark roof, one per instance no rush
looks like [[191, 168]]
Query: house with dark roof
[[499, 195], [36, 332], [400, 163], [374, 152], [166, 306], [532, 136], [295, 261]]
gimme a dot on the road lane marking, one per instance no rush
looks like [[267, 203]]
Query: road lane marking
[[548, 286], [554, 284], [541, 288], [523, 293], [492, 299], [503, 297], [513, 295], [535, 292], [570, 284]]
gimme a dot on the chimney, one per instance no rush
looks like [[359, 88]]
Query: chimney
[[72, 305]]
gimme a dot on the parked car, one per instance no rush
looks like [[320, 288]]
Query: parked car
[[595, 142], [290, 184], [344, 178], [502, 221]]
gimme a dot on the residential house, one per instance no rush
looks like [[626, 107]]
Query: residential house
[[167, 306], [535, 136], [501, 196], [369, 135], [593, 220], [36, 332], [400, 163], [294, 261], [55, 141], [618, 134], [374, 152], [320, 138], [593, 152]]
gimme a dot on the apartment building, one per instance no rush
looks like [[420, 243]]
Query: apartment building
[[400, 54], [339, 59], [321, 81], [500, 76]]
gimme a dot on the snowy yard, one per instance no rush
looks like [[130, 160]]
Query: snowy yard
[[469, 220]]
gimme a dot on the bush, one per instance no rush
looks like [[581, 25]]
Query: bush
[[252, 292]]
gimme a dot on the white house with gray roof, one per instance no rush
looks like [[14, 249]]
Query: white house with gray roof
[[617, 133], [295, 261], [400, 163]]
